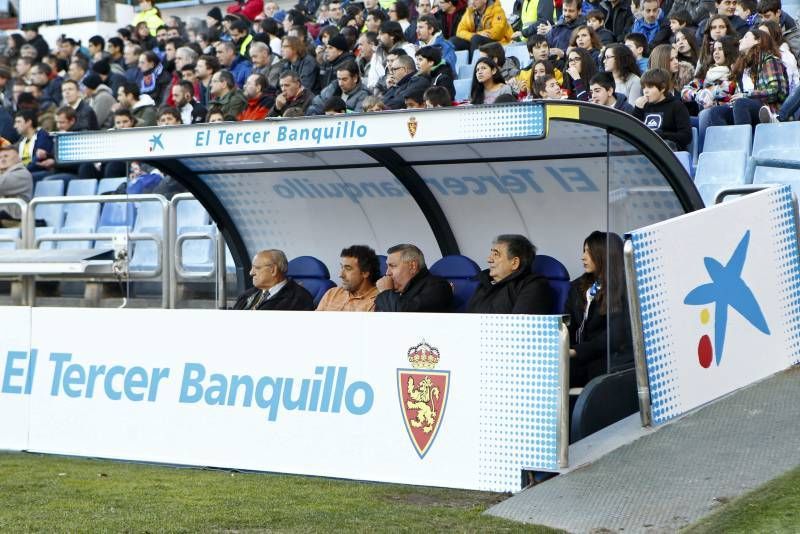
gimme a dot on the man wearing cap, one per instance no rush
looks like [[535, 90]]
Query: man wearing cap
[[107, 76], [33, 38], [100, 98], [214, 23], [230, 59], [336, 53]]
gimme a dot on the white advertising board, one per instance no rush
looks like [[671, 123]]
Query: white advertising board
[[17, 368], [331, 394], [719, 292]]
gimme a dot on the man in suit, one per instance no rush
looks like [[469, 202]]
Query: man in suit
[[272, 290], [408, 286]]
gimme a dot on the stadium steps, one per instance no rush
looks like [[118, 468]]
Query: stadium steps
[[665, 479]]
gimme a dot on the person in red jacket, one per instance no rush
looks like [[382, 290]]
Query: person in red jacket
[[258, 103], [249, 8]]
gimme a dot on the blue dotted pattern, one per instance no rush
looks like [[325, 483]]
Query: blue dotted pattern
[[638, 194], [80, 147], [519, 398], [504, 121], [786, 255], [658, 344]]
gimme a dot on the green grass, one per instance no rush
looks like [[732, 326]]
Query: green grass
[[773, 507], [40, 493]]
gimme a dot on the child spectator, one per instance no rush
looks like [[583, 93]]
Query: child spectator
[[638, 45], [747, 10], [539, 50], [585, 38], [678, 20], [437, 97], [662, 112], [712, 86], [596, 19], [650, 21], [580, 70], [547, 87], [686, 46], [335, 106], [618, 61], [487, 82], [604, 93]]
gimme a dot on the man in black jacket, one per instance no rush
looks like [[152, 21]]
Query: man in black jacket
[[408, 286], [407, 81], [508, 285], [272, 290]]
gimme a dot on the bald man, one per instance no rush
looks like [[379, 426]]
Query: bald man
[[272, 290]]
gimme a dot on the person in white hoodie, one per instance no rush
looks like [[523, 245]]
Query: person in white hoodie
[[142, 106], [98, 95]]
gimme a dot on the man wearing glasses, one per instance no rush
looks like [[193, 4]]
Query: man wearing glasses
[[272, 290], [406, 82]]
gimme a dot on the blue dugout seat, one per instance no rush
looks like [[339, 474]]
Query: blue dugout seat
[[557, 275], [460, 271], [737, 137], [312, 274], [605, 400], [197, 255], [381, 264]]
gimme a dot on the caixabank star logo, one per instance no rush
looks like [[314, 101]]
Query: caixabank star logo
[[423, 396], [727, 289]]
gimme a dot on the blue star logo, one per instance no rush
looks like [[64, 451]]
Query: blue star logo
[[156, 142], [728, 289]]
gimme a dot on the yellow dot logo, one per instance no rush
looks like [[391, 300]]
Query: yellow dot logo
[[705, 316]]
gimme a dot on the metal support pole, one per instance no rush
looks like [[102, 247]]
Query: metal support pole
[[563, 405], [222, 273], [637, 333]]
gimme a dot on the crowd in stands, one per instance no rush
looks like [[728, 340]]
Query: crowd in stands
[[595, 302], [663, 61]]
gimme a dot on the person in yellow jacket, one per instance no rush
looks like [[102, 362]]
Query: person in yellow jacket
[[150, 14], [483, 22]]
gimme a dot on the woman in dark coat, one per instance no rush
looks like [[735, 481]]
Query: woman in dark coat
[[596, 305]]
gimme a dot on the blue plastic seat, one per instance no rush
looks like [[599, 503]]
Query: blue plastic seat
[[465, 72], [463, 88], [737, 137], [106, 185], [460, 271], [519, 51], [82, 187], [197, 255], [52, 214], [381, 264], [777, 140], [721, 168], [191, 213], [75, 230], [145, 253], [312, 274], [462, 58], [557, 275], [9, 232], [42, 231], [686, 160], [79, 219], [778, 175]]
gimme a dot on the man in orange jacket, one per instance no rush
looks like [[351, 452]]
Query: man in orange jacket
[[258, 102], [483, 22]]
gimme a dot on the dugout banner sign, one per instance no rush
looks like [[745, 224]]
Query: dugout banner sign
[[462, 401], [719, 294]]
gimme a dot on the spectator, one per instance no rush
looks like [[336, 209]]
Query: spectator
[[50, 86], [131, 58], [97, 46], [77, 69], [487, 82], [597, 310], [406, 81], [698, 10], [772, 10], [337, 53], [415, 100], [168, 116], [483, 22], [347, 86], [367, 44], [248, 8], [508, 285], [604, 93], [662, 112], [547, 87], [86, 118], [430, 64], [449, 15], [292, 96], [215, 115], [214, 24], [437, 97], [148, 14], [712, 84], [727, 9], [686, 46], [373, 104], [595, 19], [111, 79], [637, 43], [100, 99], [665, 57], [296, 60], [334, 106], [408, 286], [787, 58], [230, 60], [391, 37], [265, 63], [258, 102], [532, 13], [192, 112], [580, 70], [22, 69], [429, 34], [116, 60], [226, 95], [141, 107], [273, 31], [153, 79], [508, 65], [359, 272], [680, 20], [33, 38], [375, 19], [15, 181], [558, 36], [538, 50], [400, 15], [650, 21], [205, 69], [620, 62], [272, 290], [35, 144], [619, 18]]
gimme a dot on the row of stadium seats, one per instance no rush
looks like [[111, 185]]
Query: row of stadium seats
[[459, 270]]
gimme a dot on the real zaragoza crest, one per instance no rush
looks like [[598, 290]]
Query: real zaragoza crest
[[423, 396], [412, 126]]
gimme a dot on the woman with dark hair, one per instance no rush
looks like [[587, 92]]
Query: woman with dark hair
[[585, 37], [686, 46], [621, 63], [487, 82], [761, 81], [714, 85], [787, 57], [598, 311], [717, 27], [580, 69], [142, 37], [14, 42]]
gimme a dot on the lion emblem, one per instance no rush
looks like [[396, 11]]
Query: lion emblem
[[421, 400], [412, 126]]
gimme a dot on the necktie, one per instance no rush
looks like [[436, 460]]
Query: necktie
[[258, 301]]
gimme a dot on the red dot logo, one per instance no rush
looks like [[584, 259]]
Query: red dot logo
[[705, 352]]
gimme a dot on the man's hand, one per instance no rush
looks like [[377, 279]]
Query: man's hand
[[384, 283], [544, 28], [280, 101]]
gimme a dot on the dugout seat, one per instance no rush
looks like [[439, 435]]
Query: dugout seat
[[557, 275], [312, 274], [605, 400], [460, 271]]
